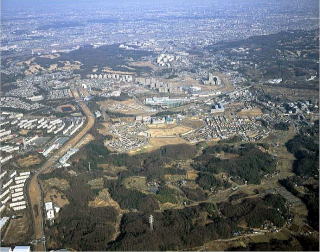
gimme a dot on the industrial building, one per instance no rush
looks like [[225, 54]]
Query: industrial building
[[65, 158], [165, 101], [51, 210], [16, 249], [217, 108]]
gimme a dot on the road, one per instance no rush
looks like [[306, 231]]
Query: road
[[34, 190]]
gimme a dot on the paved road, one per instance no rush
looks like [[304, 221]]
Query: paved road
[[34, 190]]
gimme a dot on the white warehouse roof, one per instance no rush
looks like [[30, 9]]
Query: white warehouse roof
[[48, 206]]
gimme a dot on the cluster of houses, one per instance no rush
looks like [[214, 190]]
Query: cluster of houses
[[12, 186], [12, 142], [18, 103], [222, 127], [127, 136]]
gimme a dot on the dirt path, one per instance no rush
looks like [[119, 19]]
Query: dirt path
[[34, 190]]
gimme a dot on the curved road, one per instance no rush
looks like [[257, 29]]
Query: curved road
[[34, 190]]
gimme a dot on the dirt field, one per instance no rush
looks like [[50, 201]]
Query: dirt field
[[56, 197], [129, 107], [224, 155], [61, 184], [167, 130], [23, 132], [156, 143], [192, 175], [167, 205], [227, 85], [136, 182], [192, 123], [33, 68], [112, 168], [143, 64], [174, 178], [29, 161], [70, 66], [250, 112], [104, 128], [96, 183], [103, 200], [53, 67]]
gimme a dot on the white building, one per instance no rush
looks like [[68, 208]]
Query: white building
[[50, 210], [3, 221], [50, 214], [48, 206]]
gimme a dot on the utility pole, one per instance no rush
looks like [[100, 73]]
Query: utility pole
[[151, 221]]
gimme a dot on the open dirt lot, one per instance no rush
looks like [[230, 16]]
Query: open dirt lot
[[103, 128], [250, 112], [156, 143], [96, 183], [136, 182], [103, 200], [193, 123], [24, 132], [191, 175], [143, 64], [70, 66], [224, 155], [174, 178], [227, 85], [112, 168], [129, 107], [29, 161], [34, 68], [61, 184], [167, 130]]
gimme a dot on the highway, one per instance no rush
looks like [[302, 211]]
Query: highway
[[34, 190]]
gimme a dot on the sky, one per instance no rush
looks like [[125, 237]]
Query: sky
[[32, 7]]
